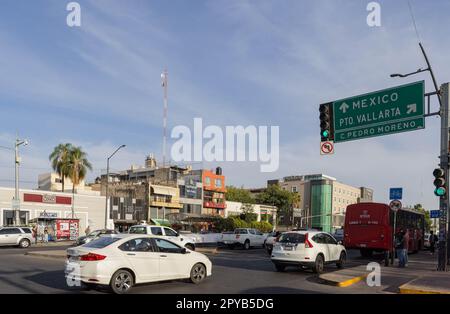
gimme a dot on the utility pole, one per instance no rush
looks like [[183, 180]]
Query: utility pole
[[444, 164], [16, 201], [164, 77]]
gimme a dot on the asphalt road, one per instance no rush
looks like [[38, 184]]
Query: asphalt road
[[235, 271]]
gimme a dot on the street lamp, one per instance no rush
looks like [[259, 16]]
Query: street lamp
[[107, 183], [428, 69], [16, 207]]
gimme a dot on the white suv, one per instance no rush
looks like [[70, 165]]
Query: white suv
[[165, 233], [312, 249]]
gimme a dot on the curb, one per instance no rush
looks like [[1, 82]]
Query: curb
[[46, 255], [206, 250], [412, 290], [344, 283]]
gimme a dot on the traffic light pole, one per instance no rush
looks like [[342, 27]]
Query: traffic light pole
[[444, 164]]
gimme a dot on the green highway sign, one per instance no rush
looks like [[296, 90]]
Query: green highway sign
[[393, 110]]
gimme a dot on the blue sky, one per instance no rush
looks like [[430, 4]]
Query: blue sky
[[230, 63]]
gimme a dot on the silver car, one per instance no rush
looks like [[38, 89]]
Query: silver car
[[19, 236]]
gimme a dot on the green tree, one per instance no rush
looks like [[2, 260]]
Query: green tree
[[284, 200], [77, 167], [248, 214], [235, 194], [427, 216], [59, 159]]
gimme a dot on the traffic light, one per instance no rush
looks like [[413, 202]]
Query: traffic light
[[439, 182], [326, 125]]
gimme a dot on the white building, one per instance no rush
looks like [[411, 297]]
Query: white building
[[89, 209], [237, 208], [52, 181]]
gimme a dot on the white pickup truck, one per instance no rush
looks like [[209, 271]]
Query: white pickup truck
[[244, 237]]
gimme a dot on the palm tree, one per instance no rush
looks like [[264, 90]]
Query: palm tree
[[77, 168], [59, 159]]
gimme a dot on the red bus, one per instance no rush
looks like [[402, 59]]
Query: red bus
[[369, 228]]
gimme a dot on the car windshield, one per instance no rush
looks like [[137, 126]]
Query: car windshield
[[138, 230], [102, 242], [291, 237]]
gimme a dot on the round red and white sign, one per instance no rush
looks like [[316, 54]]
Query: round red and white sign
[[326, 148], [395, 205]]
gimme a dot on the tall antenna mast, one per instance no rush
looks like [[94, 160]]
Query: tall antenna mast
[[164, 85]]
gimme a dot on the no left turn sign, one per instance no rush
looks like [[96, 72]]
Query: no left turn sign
[[326, 148]]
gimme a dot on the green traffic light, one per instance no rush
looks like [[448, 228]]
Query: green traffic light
[[325, 133], [439, 191]]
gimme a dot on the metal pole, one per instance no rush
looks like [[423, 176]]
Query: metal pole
[[393, 238], [164, 84], [444, 164], [107, 184], [106, 194], [16, 190]]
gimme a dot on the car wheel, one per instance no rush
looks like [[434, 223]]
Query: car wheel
[[198, 273], [246, 245], [121, 281], [318, 264], [341, 262], [24, 243], [190, 246], [280, 268]]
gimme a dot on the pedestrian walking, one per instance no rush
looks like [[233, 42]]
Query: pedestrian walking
[[88, 230], [399, 247], [406, 246], [35, 234], [46, 235], [433, 241]]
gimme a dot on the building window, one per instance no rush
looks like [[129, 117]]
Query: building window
[[218, 183], [294, 189], [207, 181]]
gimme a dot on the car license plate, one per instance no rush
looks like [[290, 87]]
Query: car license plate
[[363, 245], [288, 248]]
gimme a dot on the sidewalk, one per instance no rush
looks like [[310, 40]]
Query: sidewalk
[[53, 244], [420, 277]]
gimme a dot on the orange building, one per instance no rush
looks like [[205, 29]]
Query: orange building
[[214, 190]]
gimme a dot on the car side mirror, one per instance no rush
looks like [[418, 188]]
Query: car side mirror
[[184, 251], [340, 243]]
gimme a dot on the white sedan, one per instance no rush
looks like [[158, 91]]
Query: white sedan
[[312, 249], [123, 260]]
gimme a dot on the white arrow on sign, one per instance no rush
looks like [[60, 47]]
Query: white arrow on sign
[[411, 108], [344, 107]]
